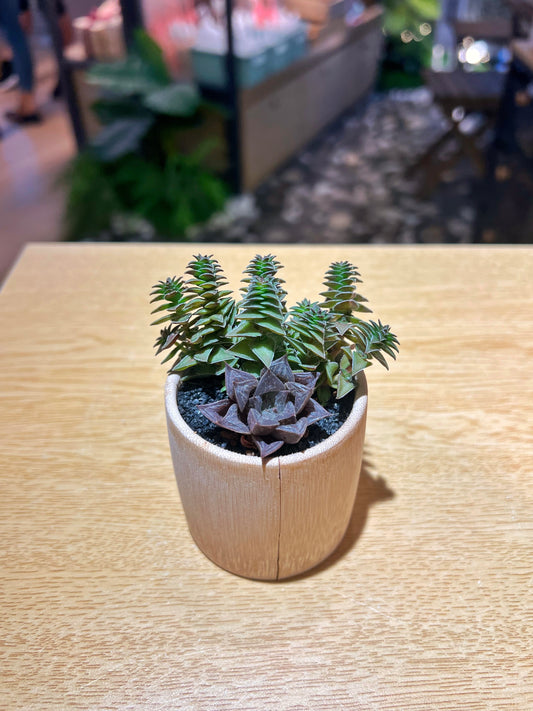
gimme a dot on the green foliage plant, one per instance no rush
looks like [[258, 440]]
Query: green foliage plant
[[205, 329], [275, 360], [198, 313], [134, 165]]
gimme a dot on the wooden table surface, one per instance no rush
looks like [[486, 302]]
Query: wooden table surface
[[106, 603]]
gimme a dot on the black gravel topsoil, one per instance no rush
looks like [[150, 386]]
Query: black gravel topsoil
[[199, 392]]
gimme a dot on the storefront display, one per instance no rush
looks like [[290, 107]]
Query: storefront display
[[100, 34], [279, 91], [261, 49], [267, 38]]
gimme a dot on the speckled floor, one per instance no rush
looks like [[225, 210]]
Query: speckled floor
[[351, 186]]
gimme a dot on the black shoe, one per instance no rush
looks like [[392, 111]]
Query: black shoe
[[8, 78], [23, 119], [58, 91]]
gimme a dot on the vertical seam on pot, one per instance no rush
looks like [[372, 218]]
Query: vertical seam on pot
[[279, 520]]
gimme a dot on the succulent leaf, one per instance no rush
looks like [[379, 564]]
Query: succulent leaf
[[266, 449], [301, 394], [292, 433], [268, 410], [201, 312], [265, 266], [322, 346], [340, 296], [345, 385], [259, 332]]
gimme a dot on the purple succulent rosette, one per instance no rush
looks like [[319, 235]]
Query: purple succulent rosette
[[269, 411]]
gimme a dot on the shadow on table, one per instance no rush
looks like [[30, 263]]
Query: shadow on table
[[370, 490]]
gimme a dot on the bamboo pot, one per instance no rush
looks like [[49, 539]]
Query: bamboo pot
[[267, 520]]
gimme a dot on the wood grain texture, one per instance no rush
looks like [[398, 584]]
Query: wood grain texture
[[105, 601], [318, 491], [230, 501], [267, 520]]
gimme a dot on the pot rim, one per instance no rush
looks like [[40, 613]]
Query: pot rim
[[353, 420]]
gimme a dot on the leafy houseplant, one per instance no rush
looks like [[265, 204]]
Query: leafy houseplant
[[278, 371], [133, 174]]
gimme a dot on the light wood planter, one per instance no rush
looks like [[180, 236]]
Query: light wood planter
[[267, 520]]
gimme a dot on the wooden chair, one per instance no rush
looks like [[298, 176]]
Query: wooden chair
[[491, 29], [473, 92]]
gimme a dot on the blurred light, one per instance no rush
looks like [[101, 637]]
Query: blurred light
[[477, 52], [461, 55], [425, 29], [468, 41], [458, 114], [438, 51], [406, 36], [502, 173], [505, 55]]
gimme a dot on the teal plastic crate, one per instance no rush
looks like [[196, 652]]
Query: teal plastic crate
[[298, 43], [210, 69], [279, 55]]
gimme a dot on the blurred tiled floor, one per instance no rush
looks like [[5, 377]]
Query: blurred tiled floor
[[31, 158]]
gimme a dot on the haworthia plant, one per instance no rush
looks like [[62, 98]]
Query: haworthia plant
[[267, 411], [206, 329]]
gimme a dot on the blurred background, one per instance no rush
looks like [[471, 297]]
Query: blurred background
[[276, 121]]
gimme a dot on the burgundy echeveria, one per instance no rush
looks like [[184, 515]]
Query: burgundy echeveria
[[276, 408]]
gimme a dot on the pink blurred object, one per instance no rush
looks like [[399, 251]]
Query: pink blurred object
[[161, 19], [266, 12], [107, 10]]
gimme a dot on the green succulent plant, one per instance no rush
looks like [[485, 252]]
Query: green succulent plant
[[332, 340], [199, 312], [265, 267], [259, 330], [341, 296], [206, 330]]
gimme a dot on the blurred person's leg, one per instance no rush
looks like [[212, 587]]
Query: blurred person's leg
[[26, 111], [25, 16], [65, 23], [8, 78]]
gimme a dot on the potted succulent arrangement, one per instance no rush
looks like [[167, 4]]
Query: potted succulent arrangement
[[266, 411]]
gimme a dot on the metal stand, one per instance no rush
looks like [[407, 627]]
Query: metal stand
[[132, 19], [233, 130], [65, 73]]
